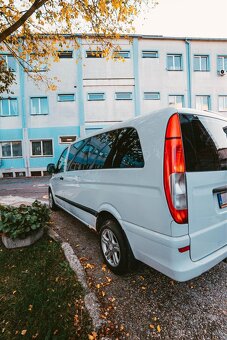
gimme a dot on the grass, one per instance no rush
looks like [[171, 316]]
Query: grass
[[40, 297]]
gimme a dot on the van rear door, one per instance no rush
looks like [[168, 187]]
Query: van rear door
[[205, 150]]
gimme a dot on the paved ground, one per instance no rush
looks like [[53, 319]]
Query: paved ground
[[144, 304]]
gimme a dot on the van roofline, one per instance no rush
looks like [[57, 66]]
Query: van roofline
[[134, 122]]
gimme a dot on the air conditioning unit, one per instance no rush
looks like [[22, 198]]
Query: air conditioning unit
[[222, 72]]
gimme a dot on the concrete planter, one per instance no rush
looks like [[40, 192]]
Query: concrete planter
[[17, 243]]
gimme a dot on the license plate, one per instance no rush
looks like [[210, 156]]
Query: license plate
[[222, 200]]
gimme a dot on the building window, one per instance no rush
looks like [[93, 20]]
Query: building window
[[67, 139], [96, 96], [66, 97], [7, 174], [149, 54], [174, 62], [202, 103], [39, 106], [176, 101], [222, 103], [123, 95], [35, 64], [65, 54], [94, 54], [11, 149], [222, 63], [42, 148], [201, 63], [122, 54], [151, 95], [10, 62], [8, 107]]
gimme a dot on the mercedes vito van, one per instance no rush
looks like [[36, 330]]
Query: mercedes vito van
[[154, 188]]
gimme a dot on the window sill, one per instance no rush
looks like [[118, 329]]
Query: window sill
[[9, 115], [10, 157], [174, 70], [38, 156], [39, 114], [201, 70]]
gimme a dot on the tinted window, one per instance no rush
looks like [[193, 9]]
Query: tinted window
[[78, 153], [114, 149], [205, 143], [61, 161], [126, 151]]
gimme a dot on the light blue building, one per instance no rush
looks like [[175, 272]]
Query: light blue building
[[36, 124]]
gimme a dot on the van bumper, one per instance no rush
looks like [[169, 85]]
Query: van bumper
[[161, 252]]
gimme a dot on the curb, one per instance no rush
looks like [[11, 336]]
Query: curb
[[90, 299]]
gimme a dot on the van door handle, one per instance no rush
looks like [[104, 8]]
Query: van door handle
[[61, 178]]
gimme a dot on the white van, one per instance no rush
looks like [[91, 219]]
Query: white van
[[154, 188]]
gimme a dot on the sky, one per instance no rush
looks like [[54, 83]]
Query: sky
[[185, 18]]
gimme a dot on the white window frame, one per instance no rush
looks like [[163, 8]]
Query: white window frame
[[225, 103], [122, 54], [96, 93], [6, 56], [123, 92], [66, 94], [69, 136], [175, 102], [174, 56], [61, 54], [95, 54], [149, 54], [39, 113], [147, 93], [11, 149], [8, 101], [222, 57], [200, 62], [208, 101], [41, 141]]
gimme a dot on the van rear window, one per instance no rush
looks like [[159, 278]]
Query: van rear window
[[205, 142]]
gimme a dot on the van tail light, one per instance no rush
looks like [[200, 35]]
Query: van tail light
[[174, 171]]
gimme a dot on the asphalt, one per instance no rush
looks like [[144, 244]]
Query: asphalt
[[144, 304]]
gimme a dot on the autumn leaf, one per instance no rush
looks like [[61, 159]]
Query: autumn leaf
[[92, 336], [158, 328], [151, 326], [23, 332]]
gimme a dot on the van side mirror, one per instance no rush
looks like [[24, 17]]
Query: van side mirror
[[51, 168]]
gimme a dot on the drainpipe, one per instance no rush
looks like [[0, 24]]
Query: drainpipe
[[189, 85], [25, 142]]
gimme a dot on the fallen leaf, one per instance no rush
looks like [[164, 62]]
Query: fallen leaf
[[151, 326], [30, 307], [23, 332], [92, 336], [103, 267], [158, 329]]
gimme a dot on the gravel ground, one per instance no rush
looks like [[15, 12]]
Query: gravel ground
[[146, 304]]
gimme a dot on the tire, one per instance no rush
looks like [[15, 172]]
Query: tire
[[52, 204], [115, 248]]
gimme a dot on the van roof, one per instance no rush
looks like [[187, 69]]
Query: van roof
[[134, 122]]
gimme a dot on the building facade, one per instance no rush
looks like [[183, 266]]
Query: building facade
[[150, 72]]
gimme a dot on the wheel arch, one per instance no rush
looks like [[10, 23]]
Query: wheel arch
[[105, 215]]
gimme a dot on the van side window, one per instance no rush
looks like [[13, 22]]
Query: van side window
[[128, 151], [116, 149], [102, 145], [77, 157], [61, 161]]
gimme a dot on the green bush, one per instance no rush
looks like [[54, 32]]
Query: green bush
[[22, 221]]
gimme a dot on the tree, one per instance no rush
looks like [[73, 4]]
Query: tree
[[34, 30]]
